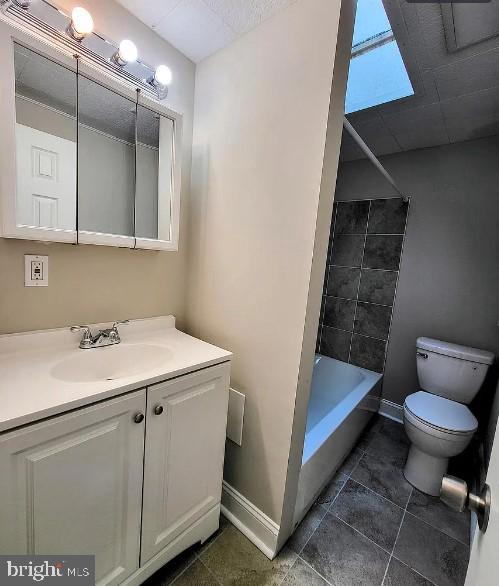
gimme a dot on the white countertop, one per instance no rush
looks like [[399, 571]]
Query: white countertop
[[29, 391]]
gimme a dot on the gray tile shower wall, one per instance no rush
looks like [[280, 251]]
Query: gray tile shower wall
[[365, 249]]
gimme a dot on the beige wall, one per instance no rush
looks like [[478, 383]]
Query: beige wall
[[323, 225], [90, 283], [260, 127]]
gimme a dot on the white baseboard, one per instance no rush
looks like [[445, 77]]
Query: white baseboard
[[391, 410], [252, 522]]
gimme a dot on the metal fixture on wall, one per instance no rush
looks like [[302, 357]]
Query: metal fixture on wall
[[81, 25], [76, 34], [161, 80], [127, 53], [372, 157]]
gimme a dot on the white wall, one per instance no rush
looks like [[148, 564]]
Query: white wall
[[261, 116]]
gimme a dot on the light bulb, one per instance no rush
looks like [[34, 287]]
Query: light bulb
[[82, 23], [163, 75], [127, 52]]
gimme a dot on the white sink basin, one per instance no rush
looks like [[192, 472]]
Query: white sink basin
[[111, 363]]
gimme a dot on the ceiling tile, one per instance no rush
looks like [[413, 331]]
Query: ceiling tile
[[418, 128], [466, 76], [149, 11], [472, 116], [195, 29], [243, 15], [375, 134]]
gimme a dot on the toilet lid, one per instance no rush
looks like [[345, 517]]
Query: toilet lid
[[440, 412]]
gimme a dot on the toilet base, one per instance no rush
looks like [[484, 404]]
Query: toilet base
[[425, 472]]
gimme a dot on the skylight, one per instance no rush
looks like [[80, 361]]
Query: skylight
[[377, 73]]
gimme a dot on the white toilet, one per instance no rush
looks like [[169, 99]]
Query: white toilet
[[436, 419]]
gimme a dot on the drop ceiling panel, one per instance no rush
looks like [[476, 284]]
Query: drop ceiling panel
[[418, 128], [149, 11], [195, 29], [472, 116], [466, 76], [199, 28], [243, 15], [376, 135]]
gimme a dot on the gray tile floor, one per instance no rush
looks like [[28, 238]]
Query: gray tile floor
[[369, 527]]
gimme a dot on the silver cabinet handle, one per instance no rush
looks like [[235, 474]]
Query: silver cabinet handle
[[138, 417], [454, 493], [158, 409]]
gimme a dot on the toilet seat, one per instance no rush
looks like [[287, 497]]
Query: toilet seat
[[431, 412]]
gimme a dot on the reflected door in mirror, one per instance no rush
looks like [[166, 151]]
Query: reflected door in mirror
[[45, 142]]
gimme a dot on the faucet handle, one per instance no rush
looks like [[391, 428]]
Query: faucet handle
[[85, 329], [120, 322], [86, 340]]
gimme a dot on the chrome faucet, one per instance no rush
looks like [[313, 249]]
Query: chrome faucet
[[106, 337]]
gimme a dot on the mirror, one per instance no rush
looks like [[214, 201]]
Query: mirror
[[96, 161], [106, 160], [154, 180], [46, 135]]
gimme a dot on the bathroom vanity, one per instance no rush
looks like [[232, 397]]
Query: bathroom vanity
[[114, 451]]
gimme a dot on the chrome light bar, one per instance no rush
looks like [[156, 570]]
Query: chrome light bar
[[46, 20]]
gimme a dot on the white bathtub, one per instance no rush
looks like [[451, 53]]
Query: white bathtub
[[343, 398]]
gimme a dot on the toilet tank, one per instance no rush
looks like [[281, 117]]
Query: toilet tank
[[451, 371]]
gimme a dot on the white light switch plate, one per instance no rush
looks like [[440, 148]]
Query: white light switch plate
[[36, 270]]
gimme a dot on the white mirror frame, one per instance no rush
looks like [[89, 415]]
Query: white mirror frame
[[9, 228]]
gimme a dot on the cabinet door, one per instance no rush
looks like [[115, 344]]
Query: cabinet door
[[72, 485], [184, 454]]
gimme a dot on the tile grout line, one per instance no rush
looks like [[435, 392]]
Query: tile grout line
[[313, 569], [208, 546], [397, 282], [397, 537], [366, 268], [439, 530], [415, 571], [377, 494], [194, 559], [197, 557], [360, 300], [212, 574], [326, 511], [360, 533], [357, 334], [329, 252], [360, 278]]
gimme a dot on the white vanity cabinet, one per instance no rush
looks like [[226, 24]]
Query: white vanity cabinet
[[184, 454], [133, 480], [73, 485]]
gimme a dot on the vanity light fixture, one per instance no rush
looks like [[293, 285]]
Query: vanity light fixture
[[127, 53], [161, 79], [76, 33], [81, 25]]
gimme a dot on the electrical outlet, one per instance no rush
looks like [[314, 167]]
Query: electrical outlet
[[36, 270]]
